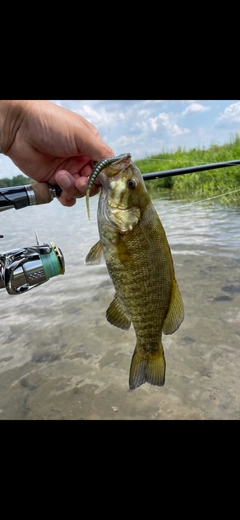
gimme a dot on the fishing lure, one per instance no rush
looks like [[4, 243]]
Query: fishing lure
[[97, 169]]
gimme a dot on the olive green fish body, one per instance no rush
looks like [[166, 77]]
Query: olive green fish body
[[139, 262], [141, 274]]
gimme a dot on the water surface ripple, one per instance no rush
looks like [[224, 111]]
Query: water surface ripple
[[61, 359]]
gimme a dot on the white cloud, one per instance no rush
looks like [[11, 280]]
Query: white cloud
[[99, 117], [145, 127], [143, 113], [231, 114], [167, 123], [125, 140], [194, 108]]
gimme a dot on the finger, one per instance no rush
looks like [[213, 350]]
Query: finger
[[66, 181], [91, 127], [81, 185], [66, 201], [86, 172], [76, 185]]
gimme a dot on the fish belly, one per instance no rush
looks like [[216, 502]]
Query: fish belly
[[141, 268]]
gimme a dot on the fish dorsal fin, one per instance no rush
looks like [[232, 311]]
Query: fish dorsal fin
[[175, 313], [117, 316], [95, 255]]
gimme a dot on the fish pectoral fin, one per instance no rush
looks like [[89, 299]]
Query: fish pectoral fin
[[95, 255], [175, 314], [117, 316], [148, 367]]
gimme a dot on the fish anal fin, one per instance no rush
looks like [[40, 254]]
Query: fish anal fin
[[95, 255], [147, 367], [117, 316], [175, 313]]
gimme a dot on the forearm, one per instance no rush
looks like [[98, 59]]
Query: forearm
[[11, 116]]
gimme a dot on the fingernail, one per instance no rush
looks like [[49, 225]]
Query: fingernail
[[65, 182]]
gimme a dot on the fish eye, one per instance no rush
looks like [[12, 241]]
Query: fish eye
[[131, 183]]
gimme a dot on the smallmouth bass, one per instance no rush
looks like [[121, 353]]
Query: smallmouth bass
[[139, 261]]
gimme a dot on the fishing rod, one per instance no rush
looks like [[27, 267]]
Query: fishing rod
[[190, 169], [41, 193], [24, 268]]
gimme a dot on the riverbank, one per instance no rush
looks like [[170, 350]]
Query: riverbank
[[208, 183]]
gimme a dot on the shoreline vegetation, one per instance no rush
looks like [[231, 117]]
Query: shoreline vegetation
[[190, 186], [203, 184]]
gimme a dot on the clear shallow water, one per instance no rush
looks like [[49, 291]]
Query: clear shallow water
[[61, 359]]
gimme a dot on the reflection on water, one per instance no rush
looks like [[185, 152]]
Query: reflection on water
[[61, 359]]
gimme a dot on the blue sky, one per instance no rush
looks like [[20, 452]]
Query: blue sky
[[147, 127]]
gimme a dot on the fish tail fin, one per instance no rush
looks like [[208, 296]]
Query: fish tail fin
[[147, 367]]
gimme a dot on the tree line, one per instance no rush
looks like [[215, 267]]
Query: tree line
[[18, 180]]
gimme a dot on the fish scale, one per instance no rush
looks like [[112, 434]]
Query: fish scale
[[139, 262]]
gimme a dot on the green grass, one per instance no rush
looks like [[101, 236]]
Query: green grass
[[189, 186], [200, 184]]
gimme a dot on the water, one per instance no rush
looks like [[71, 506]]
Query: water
[[61, 359]]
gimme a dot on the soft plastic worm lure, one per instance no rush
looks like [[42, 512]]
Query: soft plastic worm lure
[[97, 169]]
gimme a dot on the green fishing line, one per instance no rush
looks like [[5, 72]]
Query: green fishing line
[[51, 265]]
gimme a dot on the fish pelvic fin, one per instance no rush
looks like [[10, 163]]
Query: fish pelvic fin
[[95, 255], [147, 367], [117, 316], [175, 314]]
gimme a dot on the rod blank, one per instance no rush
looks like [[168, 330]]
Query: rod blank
[[190, 169]]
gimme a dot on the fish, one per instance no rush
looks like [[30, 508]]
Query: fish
[[134, 245]]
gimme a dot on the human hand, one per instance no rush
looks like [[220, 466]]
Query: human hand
[[51, 144]]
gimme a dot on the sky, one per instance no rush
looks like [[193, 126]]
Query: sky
[[148, 127]]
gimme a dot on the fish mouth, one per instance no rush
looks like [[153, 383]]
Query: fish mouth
[[105, 163], [117, 167], [123, 160]]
